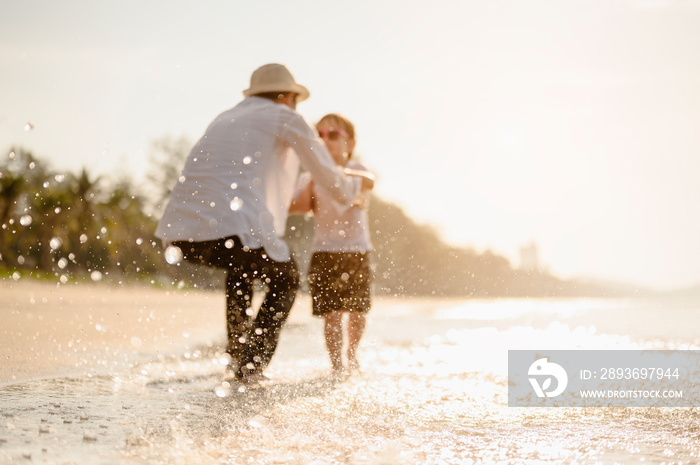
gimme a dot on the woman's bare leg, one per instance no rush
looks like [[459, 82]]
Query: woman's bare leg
[[333, 330], [356, 327]]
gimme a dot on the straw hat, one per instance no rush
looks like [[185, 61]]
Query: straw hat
[[274, 77]]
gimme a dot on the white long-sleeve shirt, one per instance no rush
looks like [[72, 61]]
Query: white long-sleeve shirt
[[239, 178]]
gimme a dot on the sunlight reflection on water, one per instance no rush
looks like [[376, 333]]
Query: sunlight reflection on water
[[433, 391]]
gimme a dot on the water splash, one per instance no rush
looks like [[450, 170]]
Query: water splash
[[173, 255], [236, 204], [55, 243]]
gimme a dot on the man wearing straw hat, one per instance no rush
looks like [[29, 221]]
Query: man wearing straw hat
[[229, 208]]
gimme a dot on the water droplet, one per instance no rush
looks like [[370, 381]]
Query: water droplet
[[46, 184], [236, 204], [55, 243], [234, 185], [28, 126], [62, 263], [247, 160], [139, 241], [229, 243], [25, 220], [257, 421], [83, 238], [59, 177], [181, 179], [63, 279], [213, 223], [20, 260], [16, 276], [173, 254], [96, 276], [212, 204], [136, 342]]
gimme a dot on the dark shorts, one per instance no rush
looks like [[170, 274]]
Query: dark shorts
[[340, 281]]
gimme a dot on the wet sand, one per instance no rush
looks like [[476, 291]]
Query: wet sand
[[56, 329], [102, 375]]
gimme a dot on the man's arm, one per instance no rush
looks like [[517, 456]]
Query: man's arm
[[303, 200], [366, 177]]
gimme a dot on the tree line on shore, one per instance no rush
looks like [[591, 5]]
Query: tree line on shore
[[75, 226]]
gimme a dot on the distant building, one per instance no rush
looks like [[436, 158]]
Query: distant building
[[529, 257]]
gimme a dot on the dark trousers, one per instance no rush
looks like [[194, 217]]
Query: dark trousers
[[251, 341]]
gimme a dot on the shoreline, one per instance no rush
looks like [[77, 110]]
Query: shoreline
[[57, 330], [51, 329], [139, 379]]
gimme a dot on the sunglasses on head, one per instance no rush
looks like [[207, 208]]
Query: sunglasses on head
[[333, 134]]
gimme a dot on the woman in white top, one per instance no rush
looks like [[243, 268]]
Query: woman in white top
[[339, 272]]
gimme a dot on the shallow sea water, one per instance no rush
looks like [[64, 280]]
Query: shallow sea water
[[433, 390]]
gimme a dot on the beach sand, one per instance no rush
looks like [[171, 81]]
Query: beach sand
[[53, 329], [93, 374]]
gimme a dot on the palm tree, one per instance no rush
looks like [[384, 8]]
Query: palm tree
[[82, 221]]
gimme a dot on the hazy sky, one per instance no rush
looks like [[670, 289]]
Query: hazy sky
[[573, 124]]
